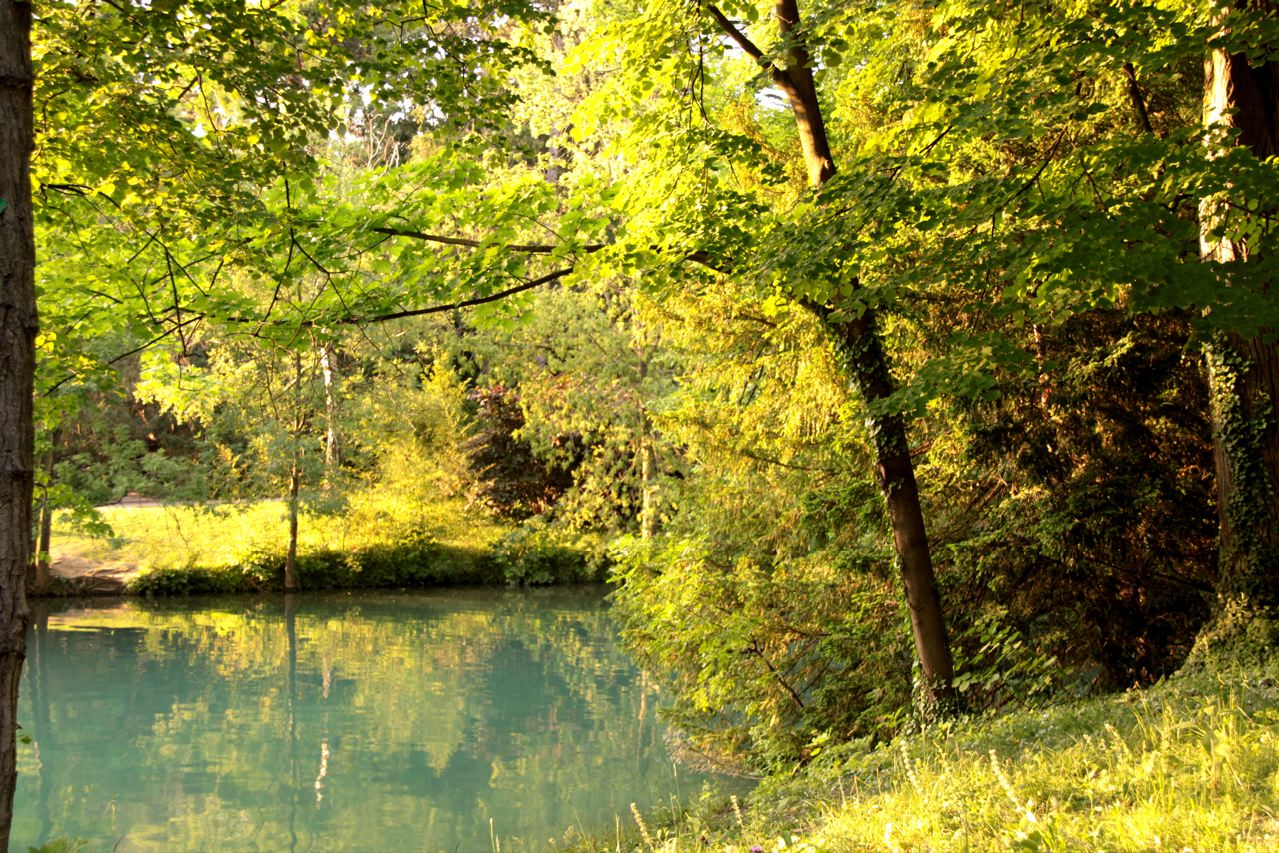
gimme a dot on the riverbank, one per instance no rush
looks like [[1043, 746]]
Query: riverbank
[[156, 549], [1191, 764]]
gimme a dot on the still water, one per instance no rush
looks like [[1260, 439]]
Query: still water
[[363, 721]]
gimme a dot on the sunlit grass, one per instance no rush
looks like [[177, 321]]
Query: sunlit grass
[[1191, 764], [151, 537]]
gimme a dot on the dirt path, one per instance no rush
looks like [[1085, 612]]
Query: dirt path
[[91, 576], [98, 577]]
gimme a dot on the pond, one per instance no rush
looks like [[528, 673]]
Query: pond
[[453, 720]]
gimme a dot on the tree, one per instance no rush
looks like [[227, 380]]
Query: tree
[[17, 375], [1241, 108], [857, 337], [853, 330]]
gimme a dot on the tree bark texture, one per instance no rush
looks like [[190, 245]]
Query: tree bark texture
[[1242, 100], [860, 349], [17, 371], [857, 341]]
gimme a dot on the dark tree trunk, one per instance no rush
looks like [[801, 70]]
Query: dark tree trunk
[[1243, 371], [17, 372], [859, 345]]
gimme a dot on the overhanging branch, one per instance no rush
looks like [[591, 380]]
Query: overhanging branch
[[739, 38], [523, 248], [453, 306]]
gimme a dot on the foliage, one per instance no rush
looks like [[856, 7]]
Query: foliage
[[243, 546], [535, 554], [589, 363], [1019, 199], [763, 658], [60, 845], [1075, 475], [510, 479]]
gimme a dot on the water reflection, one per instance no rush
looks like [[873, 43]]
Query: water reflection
[[350, 721]]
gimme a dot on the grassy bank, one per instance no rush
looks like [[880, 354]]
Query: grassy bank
[[165, 550], [1191, 764]]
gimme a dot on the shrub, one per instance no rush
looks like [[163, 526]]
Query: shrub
[[533, 555], [536, 554]]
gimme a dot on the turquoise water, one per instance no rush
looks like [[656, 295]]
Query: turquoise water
[[436, 721]]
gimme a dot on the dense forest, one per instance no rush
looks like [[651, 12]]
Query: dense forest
[[894, 360]]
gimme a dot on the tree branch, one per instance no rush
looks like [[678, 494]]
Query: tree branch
[[698, 257], [1138, 99], [739, 38], [453, 306], [524, 248]]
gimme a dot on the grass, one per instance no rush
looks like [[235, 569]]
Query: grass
[[222, 536], [1191, 764], [377, 540]]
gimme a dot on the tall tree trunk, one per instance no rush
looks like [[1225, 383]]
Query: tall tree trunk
[[1243, 372], [17, 372], [860, 348], [332, 451]]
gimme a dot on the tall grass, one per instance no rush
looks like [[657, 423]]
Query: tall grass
[[1190, 764]]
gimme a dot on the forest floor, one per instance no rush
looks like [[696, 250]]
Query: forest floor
[[1190, 764]]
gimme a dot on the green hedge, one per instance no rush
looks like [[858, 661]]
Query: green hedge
[[517, 559]]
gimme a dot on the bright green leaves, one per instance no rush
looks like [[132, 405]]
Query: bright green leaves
[[183, 143]]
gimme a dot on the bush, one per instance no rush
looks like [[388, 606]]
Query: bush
[[537, 554], [532, 555]]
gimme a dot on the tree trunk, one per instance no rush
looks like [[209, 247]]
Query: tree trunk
[[1243, 100], [291, 561], [295, 479], [332, 453], [40, 582], [860, 348], [17, 372]]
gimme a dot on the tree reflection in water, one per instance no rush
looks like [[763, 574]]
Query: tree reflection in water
[[339, 721]]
